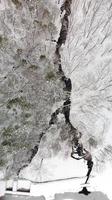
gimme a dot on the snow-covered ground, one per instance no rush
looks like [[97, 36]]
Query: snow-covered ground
[[100, 187], [67, 196], [67, 189]]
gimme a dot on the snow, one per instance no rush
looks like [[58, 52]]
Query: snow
[[99, 185], [103, 181], [54, 168], [68, 189], [86, 59]]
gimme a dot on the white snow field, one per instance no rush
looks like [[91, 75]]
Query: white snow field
[[99, 186]]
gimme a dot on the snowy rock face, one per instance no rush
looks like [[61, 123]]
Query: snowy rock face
[[87, 60], [29, 83]]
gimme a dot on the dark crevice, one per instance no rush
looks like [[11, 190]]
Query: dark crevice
[[60, 68], [68, 84], [68, 87], [63, 33], [35, 149], [53, 119], [66, 7], [21, 168], [66, 110]]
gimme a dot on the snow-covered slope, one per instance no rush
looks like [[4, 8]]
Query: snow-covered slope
[[87, 60], [32, 88], [28, 80]]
